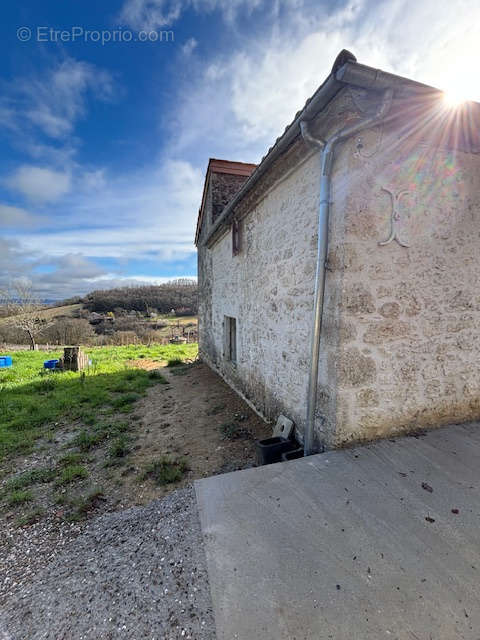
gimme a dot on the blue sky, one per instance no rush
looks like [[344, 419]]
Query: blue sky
[[104, 147]]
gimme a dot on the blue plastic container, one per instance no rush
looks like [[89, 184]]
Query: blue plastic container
[[5, 361], [50, 364]]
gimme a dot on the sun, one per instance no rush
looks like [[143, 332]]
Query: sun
[[454, 97]]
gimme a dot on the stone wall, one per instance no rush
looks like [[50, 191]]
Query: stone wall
[[221, 189], [268, 288], [407, 340], [400, 342]]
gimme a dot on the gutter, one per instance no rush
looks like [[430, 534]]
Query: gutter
[[322, 96], [346, 71], [360, 75]]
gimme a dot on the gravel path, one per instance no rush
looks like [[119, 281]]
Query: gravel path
[[137, 574], [24, 551]]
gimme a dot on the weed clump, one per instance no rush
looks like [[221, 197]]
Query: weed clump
[[72, 473], [30, 518], [120, 447], [165, 470], [118, 427], [234, 431], [29, 478], [70, 458], [85, 440], [78, 507], [84, 504], [125, 401], [175, 362], [16, 498], [156, 375]]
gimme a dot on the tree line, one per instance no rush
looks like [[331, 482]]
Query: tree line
[[26, 320], [180, 295]]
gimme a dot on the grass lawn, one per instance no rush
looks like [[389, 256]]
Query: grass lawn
[[34, 401]]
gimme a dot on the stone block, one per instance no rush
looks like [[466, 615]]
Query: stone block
[[390, 310], [385, 330], [358, 299], [355, 369]]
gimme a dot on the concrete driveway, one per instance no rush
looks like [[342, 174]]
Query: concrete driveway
[[380, 541]]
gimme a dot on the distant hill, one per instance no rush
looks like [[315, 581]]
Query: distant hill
[[126, 315], [60, 311], [180, 295]]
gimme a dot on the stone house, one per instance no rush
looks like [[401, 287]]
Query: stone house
[[339, 279]]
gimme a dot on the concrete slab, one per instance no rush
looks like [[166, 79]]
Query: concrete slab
[[348, 544]]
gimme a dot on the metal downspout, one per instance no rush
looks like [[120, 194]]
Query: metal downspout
[[327, 158]]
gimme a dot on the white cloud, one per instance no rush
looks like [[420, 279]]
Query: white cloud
[[149, 215], [151, 14], [189, 46], [39, 184], [72, 267], [56, 101], [54, 155], [106, 280], [68, 274], [93, 180], [51, 104], [14, 260], [255, 88], [159, 242], [18, 217]]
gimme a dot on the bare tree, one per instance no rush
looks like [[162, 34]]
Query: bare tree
[[69, 331], [24, 310]]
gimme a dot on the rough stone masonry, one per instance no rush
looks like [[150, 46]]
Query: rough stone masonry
[[400, 346]]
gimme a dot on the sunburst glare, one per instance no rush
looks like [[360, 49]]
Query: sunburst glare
[[454, 98], [459, 90]]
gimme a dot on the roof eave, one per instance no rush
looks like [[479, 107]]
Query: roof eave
[[350, 73], [324, 94]]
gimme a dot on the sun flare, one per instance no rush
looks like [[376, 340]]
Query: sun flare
[[454, 98]]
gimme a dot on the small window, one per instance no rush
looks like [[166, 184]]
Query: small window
[[236, 237], [231, 339]]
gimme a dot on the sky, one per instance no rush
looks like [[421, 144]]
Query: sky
[[109, 112]]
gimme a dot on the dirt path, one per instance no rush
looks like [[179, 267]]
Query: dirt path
[[189, 418]]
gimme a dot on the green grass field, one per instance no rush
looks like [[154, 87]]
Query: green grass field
[[34, 402]]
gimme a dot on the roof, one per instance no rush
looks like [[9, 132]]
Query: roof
[[345, 72], [228, 167]]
